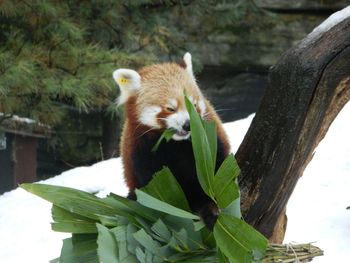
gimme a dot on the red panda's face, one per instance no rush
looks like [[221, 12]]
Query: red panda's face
[[170, 113], [158, 92]]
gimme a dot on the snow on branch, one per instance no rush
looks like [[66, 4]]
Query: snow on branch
[[330, 22]]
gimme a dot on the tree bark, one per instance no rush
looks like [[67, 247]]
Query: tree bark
[[307, 88]]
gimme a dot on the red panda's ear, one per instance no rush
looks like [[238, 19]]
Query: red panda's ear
[[129, 82], [188, 62]]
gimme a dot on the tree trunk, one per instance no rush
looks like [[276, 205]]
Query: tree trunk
[[307, 89]]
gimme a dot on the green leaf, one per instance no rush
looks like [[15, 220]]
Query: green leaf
[[131, 242], [141, 256], [59, 214], [167, 134], [233, 209], [75, 201], [182, 239], [120, 233], [226, 189], [222, 258], [153, 252], [81, 248], [151, 202], [65, 221], [171, 194], [239, 241], [194, 237], [110, 221], [146, 241], [201, 150], [107, 245], [208, 238], [210, 131], [161, 231], [74, 227], [129, 208]]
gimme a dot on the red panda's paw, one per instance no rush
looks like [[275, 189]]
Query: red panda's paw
[[209, 214], [132, 195]]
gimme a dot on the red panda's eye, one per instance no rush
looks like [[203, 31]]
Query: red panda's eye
[[170, 109]]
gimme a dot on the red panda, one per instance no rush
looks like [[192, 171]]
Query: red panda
[[154, 101]]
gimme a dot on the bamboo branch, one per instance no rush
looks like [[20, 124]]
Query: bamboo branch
[[289, 253]]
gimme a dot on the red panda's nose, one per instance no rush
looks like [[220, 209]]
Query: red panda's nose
[[186, 126]]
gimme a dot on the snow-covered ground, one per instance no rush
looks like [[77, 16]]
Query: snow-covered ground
[[317, 210]]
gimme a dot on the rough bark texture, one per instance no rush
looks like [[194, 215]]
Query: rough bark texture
[[307, 88]]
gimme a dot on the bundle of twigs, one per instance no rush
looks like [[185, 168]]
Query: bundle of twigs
[[289, 253]]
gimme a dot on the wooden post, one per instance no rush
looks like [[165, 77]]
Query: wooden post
[[25, 159], [307, 88]]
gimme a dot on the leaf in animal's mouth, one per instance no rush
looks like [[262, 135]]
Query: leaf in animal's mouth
[[182, 133]]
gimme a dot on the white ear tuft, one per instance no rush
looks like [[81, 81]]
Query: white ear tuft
[[129, 82], [188, 61]]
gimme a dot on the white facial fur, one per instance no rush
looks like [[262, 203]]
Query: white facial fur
[[149, 116], [176, 121]]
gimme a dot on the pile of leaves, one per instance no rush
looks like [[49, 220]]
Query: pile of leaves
[[159, 226]]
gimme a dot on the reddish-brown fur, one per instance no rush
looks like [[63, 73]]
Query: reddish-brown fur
[[133, 130]]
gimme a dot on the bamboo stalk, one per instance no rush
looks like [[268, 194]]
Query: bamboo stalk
[[291, 253]]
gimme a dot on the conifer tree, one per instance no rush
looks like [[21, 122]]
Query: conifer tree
[[59, 55]]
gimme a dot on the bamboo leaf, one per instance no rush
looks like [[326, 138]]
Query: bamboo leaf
[[129, 208], [79, 249], [59, 214], [75, 201], [239, 241], [75, 227], [222, 258], [161, 230], [201, 150], [210, 131], [233, 209], [151, 202], [131, 242], [141, 256], [107, 245], [110, 221], [146, 240], [171, 194], [120, 234], [226, 189], [167, 134]]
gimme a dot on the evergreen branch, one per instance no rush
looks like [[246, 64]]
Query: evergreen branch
[[19, 51], [98, 62], [52, 48], [67, 70], [164, 3], [117, 31]]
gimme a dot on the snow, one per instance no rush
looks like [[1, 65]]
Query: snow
[[25, 219], [316, 211], [16, 118], [330, 22]]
